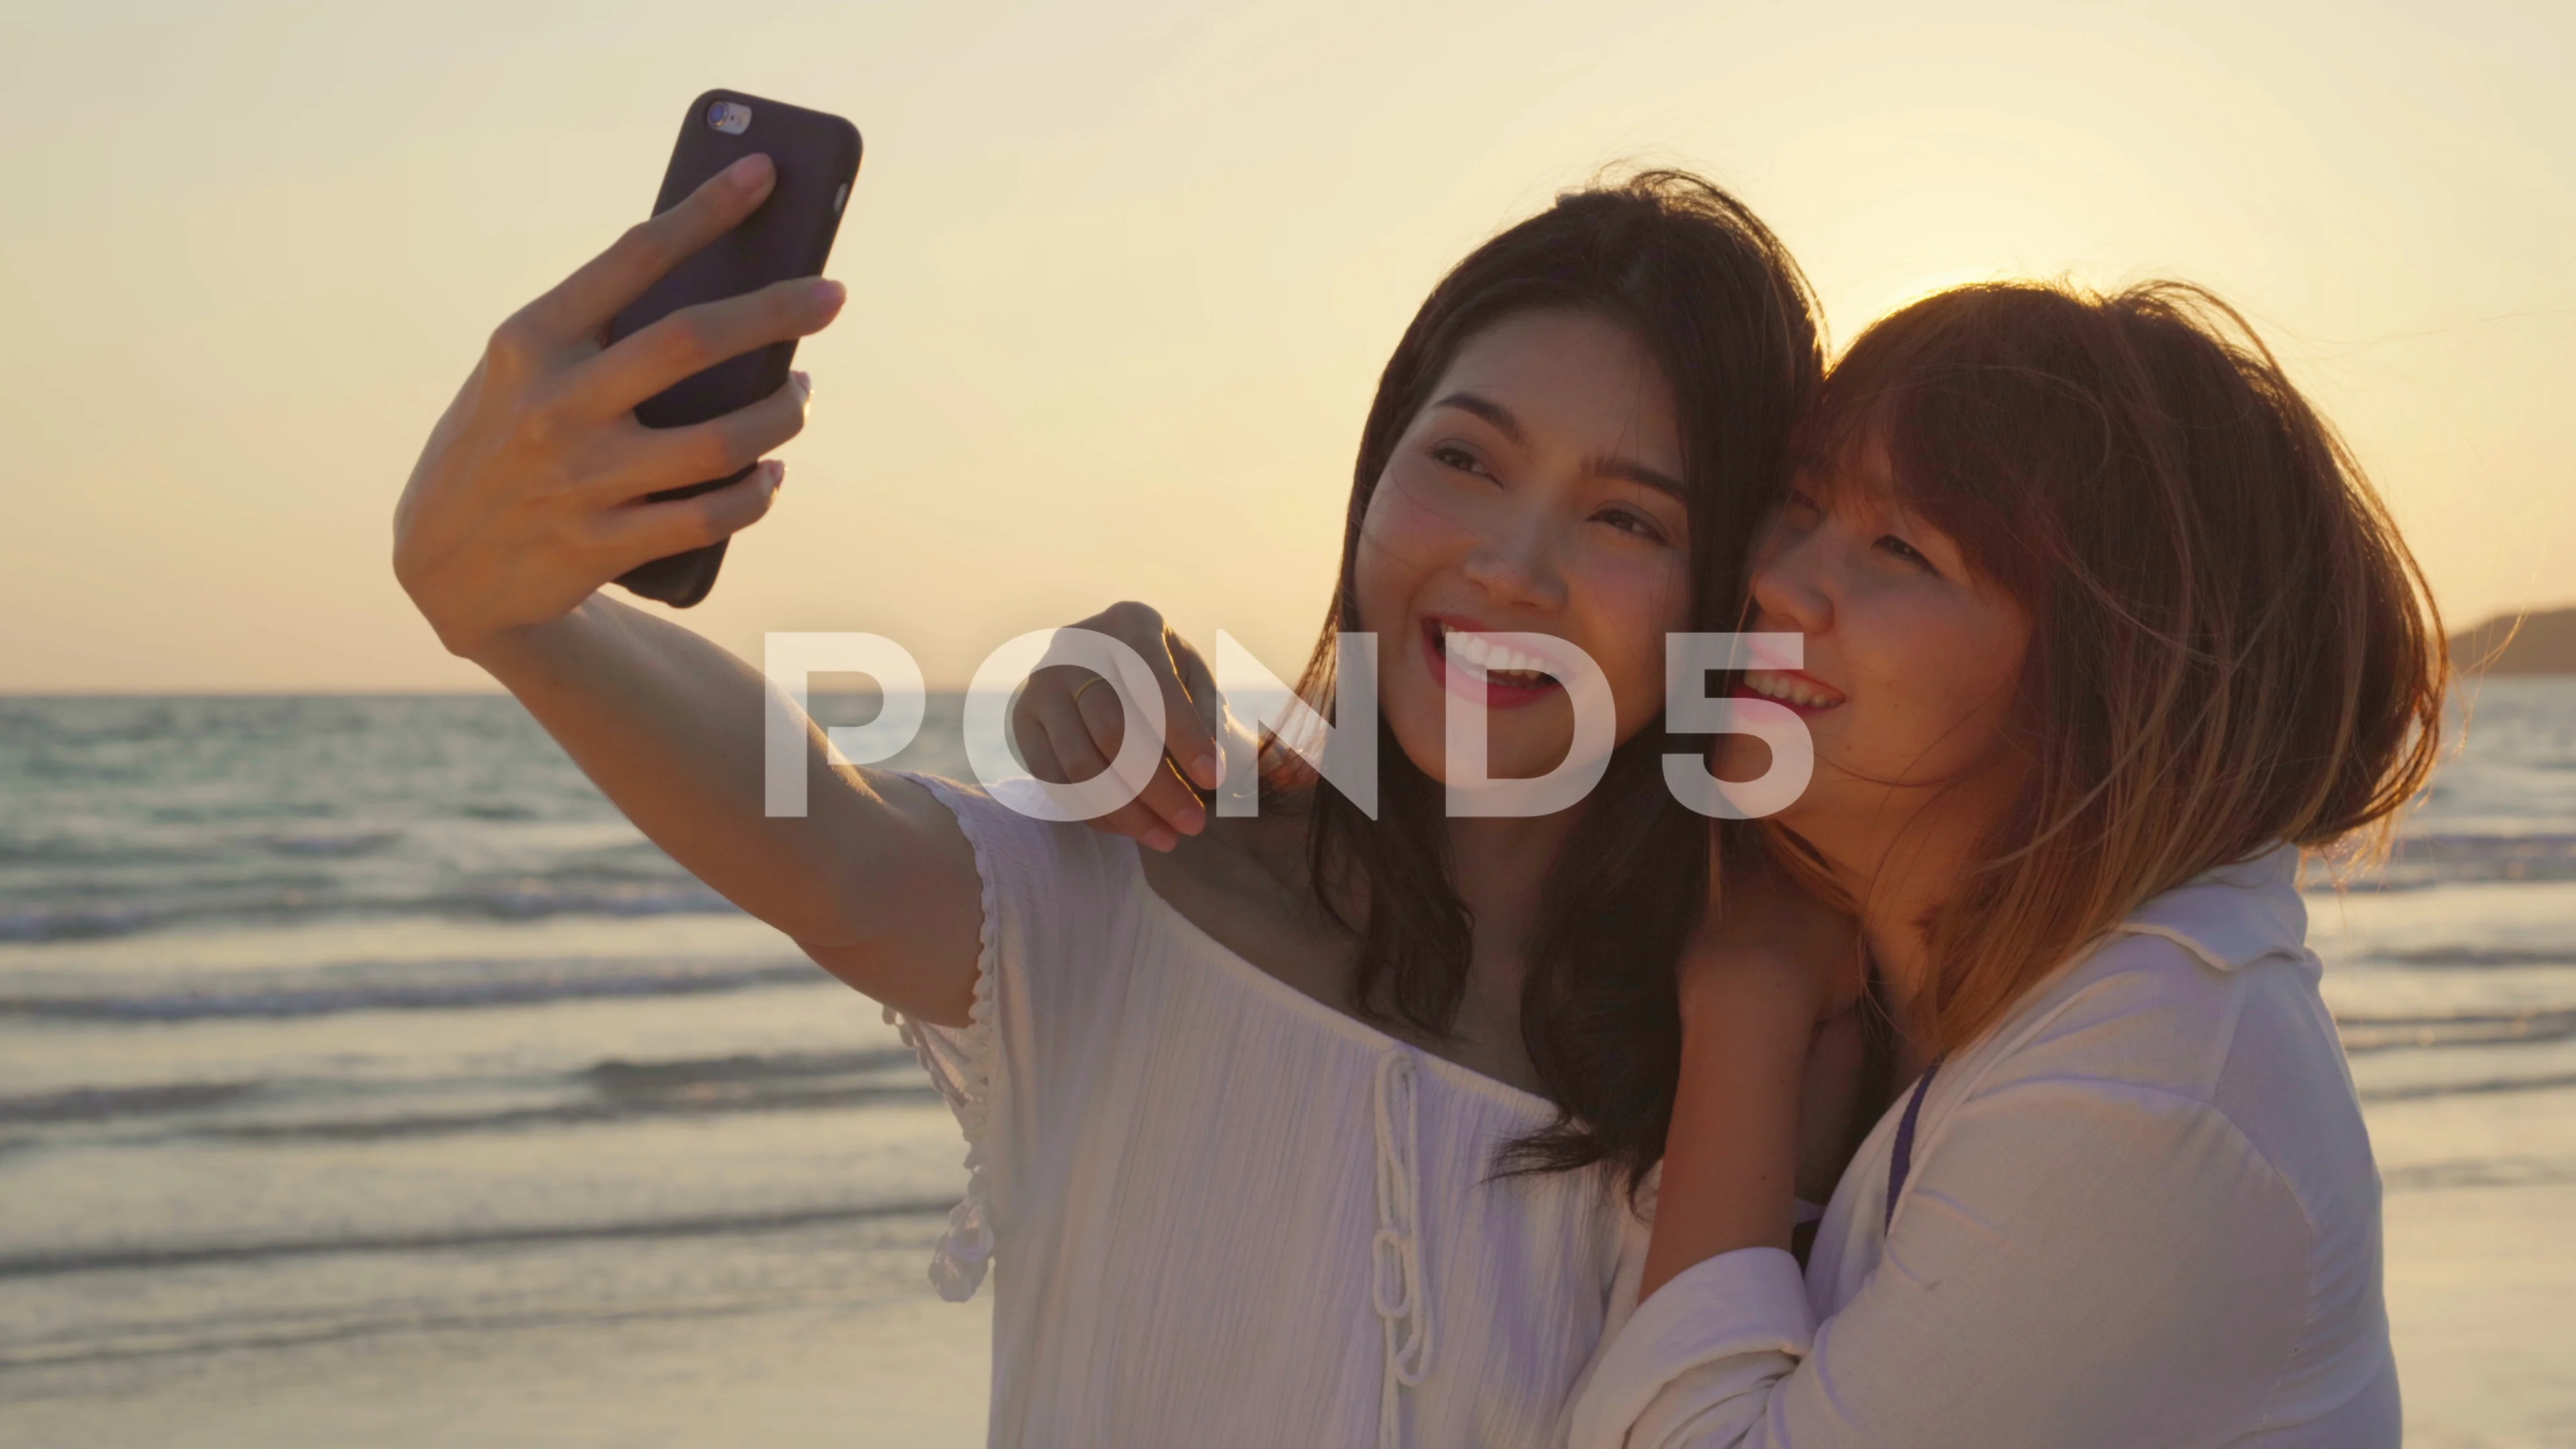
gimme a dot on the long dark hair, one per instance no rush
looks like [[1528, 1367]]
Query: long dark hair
[[1715, 298]]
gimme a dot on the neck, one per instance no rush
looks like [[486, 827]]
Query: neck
[[1901, 871], [1895, 904], [1501, 867]]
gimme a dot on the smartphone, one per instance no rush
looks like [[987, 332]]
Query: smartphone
[[817, 157]]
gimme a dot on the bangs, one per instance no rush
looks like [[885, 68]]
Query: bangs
[[1915, 417]]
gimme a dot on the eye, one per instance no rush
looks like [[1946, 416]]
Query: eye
[[1629, 520], [1450, 455], [1899, 548], [1800, 507]]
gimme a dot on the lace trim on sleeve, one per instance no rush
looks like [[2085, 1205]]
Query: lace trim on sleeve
[[960, 1063]]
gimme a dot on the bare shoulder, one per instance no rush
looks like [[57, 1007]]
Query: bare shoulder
[[1244, 884], [1257, 858]]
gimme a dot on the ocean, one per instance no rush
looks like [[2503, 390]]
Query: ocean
[[364, 1076]]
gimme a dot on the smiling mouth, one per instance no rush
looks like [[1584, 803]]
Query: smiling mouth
[[1502, 675], [1800, 692]]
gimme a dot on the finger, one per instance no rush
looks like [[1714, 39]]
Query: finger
[[1208, 709], [583, 303], [1072, 740], [1171, 796], [1167, 794], [694, 339], [1186, 736], [1044, 710], [642, 532], [1028, 730], [659, 458], [1037, 753], [1037, 756]]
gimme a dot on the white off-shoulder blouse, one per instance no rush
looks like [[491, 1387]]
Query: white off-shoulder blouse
[[2142, 1212], [1220, 1212]]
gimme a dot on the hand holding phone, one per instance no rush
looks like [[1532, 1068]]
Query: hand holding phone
[[817, 159], [538, 484]]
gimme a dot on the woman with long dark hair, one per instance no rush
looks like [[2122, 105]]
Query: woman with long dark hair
[[1318, 1127]]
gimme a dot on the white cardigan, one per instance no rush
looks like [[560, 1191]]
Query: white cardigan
[[2142, 1211]]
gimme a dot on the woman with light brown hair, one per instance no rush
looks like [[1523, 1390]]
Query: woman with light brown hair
[[2102, 631]]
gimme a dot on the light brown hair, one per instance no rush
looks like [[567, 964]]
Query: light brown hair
[[2231, 646]]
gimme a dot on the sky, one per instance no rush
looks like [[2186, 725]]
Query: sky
[[1123, 274]]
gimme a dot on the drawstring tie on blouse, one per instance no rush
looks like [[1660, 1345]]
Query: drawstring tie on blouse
[[1396, 1287]]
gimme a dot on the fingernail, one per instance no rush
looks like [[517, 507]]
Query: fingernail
[[804, 382], [777, 474], [1161, 839], [825, 293], [748, 173], [1192, 821], [1210, 771]]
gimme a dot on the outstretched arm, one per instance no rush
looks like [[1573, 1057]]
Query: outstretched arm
[[531, 494]]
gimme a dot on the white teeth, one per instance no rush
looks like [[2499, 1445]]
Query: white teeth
[[1485, 656], [1789, 691]]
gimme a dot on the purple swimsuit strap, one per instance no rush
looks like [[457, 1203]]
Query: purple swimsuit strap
[[1901, 1161]]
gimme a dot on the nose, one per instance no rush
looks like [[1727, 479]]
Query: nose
[[1790, 589], [1515, 564]]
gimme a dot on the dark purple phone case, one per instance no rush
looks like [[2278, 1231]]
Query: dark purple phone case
[[817, 157]]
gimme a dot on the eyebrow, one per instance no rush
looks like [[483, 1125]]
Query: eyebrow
[[1606, 465]]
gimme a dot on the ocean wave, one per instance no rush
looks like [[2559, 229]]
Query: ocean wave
[[2481, 1172], [334, 845], [95, 1104], [92, 853], [2473, 957], [162, 1256], [2384, 1033], [2470, 857], [2479, 957], [290, 901], [2470, 1087], [607, 1093], [495, 810], [620, 1077], [620, 1091], [532, 897], [468, 986], [604, 1090], [574, 1114], [72, 923]]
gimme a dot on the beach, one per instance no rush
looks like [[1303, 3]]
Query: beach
[[364, 1076]]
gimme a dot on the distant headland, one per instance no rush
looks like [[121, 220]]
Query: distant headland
[[2545, 644]]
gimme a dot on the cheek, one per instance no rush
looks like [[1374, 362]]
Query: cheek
[[1626, 607], [1403, 538], [1942, 676]]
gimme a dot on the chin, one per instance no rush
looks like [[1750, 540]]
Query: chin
[[1425, 747], [1505, 758]]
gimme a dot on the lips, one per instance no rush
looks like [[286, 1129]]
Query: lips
[[1795, 688], [1477, 668]]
